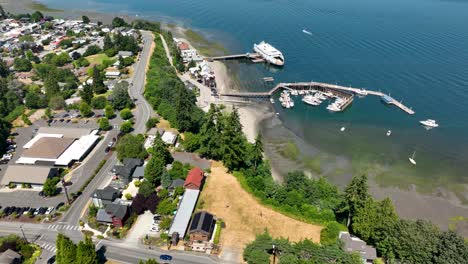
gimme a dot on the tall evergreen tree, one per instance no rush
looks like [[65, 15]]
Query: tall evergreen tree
[[233, 142], [98, 81], [185, 108], [257, 151], [67, 253], [86, 252], [4, 70], [154, 170], [108, 42], [52, 87], [160, 149], [87, 93], [210, 134], [356, 194]]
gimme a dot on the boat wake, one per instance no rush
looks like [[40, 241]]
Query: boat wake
[[307, 32]]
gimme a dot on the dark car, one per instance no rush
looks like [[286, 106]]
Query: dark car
[[41, 193], [107, 149], [6, 210], [59, 205], [51, 260], [42, 210], [165, 257]]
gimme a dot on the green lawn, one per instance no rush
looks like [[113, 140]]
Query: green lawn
[[97, 58]]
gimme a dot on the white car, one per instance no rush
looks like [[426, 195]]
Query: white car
[[154, 229], [49, 210]]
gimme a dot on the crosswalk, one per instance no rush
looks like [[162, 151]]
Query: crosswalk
[[63, 227], [49, 247]]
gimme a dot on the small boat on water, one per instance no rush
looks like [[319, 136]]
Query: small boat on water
[[342, 129], [361, 92], [389, 132], [311, 100], [411, 159], [429, 123], [306, 32], [272, 100]]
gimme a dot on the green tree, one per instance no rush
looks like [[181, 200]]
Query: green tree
[[86, 252], [85, 109], [108, 42], [119, 22], [154, 170], [50, 186], [233, 143], [57, 102], [160, 149], [37, 16], [104, 124], [33, 100], [356, 194], [166, 207], [329, 235], [166, 179], [185, 108], [52, 87], [149, 261], [131, 146], [120, 97], [372, 221], [87, 93], [151, 123], [22, 64], [99, 102], [4, 70], [98, 81], [451, 249], [66, 251], [126, 114], [257, 151], [126, 127], [85, 19], [210, 134], [146, 189], [109, 111]]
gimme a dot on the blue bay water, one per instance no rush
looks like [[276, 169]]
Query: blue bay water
[[416, 50]]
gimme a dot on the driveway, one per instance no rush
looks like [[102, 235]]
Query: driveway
[[140, 229]]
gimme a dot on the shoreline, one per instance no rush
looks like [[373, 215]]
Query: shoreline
[[408, 203]]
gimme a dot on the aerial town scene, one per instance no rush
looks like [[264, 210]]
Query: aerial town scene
[[233, 132]]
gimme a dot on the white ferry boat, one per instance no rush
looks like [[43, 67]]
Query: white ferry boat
[[269, 53]]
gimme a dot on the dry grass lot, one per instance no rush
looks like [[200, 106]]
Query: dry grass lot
[[244, 216]]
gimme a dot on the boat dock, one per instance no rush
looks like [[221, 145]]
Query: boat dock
[[346, 92], [254, 57]]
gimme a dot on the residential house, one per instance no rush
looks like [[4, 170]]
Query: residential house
[[194, 179], [200, 231], [138, 173], [10, 257], [174, 184], [126, 170], [105, 196], [115, 214], [125, 54], [169, 137], [354, 244], [112, 73]]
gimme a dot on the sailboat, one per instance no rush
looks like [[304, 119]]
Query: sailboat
[[411, 159], [306, 32]]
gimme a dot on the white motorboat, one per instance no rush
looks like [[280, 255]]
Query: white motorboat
[[333, 108], [305, 31], [272, 100], [269, 53], [308, 99], [294, 92], [343, 129], [429, 123], [411, 159], [320, 96], [389, 132], [361, 92]]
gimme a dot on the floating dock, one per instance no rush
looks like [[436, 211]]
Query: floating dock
[[346, 92], [254, 57]]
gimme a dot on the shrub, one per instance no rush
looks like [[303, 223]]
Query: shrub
[[329, 234], [126, 114], [137, 183], [126, 127], [151, 123], [128, 196], [99, 102]]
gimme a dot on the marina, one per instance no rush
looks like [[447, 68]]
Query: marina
[[344, 95]]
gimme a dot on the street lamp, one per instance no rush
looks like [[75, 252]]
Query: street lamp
[[24, 236]]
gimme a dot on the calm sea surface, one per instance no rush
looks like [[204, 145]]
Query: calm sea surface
[[416, 50]]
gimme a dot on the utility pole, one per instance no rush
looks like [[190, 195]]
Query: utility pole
[[66, 191], [24, 236]]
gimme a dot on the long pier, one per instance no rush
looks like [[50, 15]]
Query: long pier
[[255, 57], [323, 87]]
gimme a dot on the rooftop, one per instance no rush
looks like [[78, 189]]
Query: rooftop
[[27, 174], [202, 222], [182, 217], [48, 148]]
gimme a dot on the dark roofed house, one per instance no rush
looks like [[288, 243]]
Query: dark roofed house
[[138, 173], [175, 183], [105, 196], [115, 214], [10, 257], [354, 244], [126, 170], [201, 230], [194, 179]]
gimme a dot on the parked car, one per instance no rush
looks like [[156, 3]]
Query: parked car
[[42, 210], [49, 210], [51, 260], [6, 210], [165, 257], [59, 205], [26, 210], [36, 211]]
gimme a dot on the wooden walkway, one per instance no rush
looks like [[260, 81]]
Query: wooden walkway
[[251, 56], [321, 86]]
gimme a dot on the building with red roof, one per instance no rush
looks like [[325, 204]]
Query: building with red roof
[[184, 46], [194, 179]]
